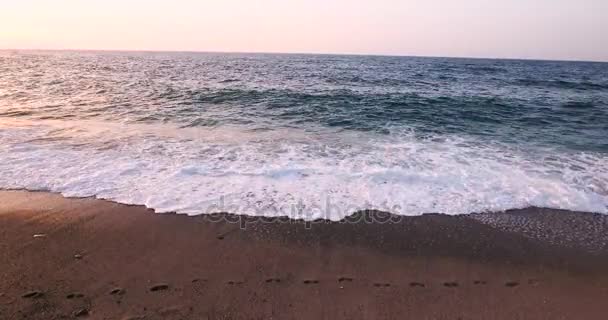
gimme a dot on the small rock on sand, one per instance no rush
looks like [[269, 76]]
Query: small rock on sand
[[77, 256], [39, 235]]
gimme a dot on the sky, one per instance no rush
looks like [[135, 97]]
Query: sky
[[531, 29]]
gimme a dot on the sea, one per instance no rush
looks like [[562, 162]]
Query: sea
[[305, 136]]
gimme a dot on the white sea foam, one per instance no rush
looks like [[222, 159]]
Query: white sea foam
[[301, 174]]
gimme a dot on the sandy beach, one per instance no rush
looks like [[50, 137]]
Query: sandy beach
[[72, 258]]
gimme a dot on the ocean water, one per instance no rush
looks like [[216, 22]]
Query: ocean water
[[305, 136]]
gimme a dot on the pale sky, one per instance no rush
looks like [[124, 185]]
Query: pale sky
[[544, 29]]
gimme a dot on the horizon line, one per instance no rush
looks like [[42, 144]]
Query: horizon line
[[304, 53]]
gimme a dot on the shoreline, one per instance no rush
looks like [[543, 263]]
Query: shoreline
[[524, 263], [354, 215]]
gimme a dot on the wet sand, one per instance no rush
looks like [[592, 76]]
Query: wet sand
[[84, 258]]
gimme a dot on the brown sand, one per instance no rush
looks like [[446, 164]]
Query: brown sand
[[100, 260]]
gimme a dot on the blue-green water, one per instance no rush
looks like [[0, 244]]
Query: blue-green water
[[190, 132]]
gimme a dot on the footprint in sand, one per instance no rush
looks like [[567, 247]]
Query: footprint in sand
[[310, 281], [450, 284], [345, 279], [379, 285], [159, 287], [117, 292], [74, 295], [32, 295], [80, 313], [197, 280], [134, 318], [169, 311]]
